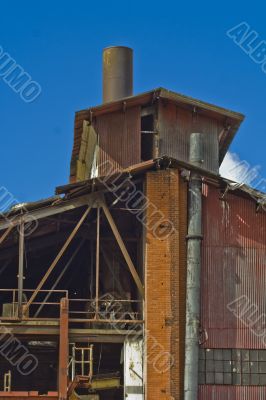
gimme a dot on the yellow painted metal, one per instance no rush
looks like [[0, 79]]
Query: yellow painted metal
[[87, 154], [105, 383]]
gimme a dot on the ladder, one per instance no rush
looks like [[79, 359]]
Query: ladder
[[81, 361], [7, 381]]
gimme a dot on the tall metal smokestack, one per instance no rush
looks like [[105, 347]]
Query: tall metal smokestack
[[117, 73]]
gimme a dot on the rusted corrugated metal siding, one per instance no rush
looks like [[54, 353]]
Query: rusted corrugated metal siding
[[209, 392], [119, 138], [234, 266], [175, 127]]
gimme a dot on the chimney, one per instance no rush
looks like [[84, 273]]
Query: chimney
[[117, 73]]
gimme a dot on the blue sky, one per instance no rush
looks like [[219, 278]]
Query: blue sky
[[180, 46]]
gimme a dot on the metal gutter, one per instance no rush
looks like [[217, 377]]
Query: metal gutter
[[147, 97], [164, 162]]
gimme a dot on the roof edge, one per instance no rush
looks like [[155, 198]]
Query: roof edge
[[163, 93]]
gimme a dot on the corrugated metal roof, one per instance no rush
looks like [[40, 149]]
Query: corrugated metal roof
[[231, 120], [170, 162], [73, 190], [29, 206], [157, 93]]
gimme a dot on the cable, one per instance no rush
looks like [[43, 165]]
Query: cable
[[100, 359]]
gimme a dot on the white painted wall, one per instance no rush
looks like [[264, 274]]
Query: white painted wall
[[133, 370]]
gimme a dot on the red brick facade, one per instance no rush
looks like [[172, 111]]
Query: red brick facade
[[165, 287]]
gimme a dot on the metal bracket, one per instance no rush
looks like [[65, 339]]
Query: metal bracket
[[260, 204], [195, 237], [225, 192], [91, 116]]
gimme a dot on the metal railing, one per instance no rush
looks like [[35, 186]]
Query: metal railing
[[107, 311], [9, 302]]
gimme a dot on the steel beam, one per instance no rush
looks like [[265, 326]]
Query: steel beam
[[63, 206], [59, 277], [123, 248], [6, 264], [51, 332], [58, 257], [28, 395], [7, 232]]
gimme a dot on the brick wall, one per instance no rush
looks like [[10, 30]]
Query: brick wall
[[165, 277]]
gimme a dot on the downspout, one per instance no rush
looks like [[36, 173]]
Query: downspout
[[194, 238]]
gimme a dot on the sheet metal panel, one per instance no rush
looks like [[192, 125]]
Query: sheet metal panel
[[119, 138], [175, 126], [133, 370], [209, 392], [233, 270]]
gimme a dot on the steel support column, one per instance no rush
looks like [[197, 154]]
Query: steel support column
[[97, 262], [63, 350], [21, 269]]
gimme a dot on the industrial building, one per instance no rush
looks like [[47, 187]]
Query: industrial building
[[143, 277]]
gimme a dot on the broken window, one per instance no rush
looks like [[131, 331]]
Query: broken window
[[232, 367], [147, 137]]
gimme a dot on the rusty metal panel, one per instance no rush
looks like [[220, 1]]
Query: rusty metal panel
[[63, 349], [233, 287], [119, 138], [175, 125], [209, 392], [33, 395]]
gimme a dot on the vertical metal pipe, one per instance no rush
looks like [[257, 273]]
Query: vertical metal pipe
[[21, 269], [82, 363], [91, 360], [91, 282], [117, 73], [194, 239], [73, 369], [97, 262]]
